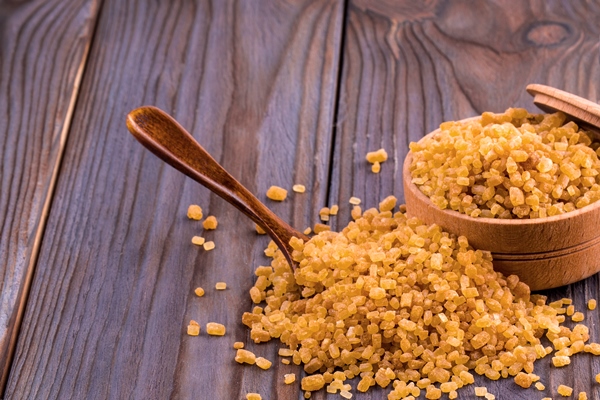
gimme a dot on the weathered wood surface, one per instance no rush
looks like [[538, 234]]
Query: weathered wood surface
[[43, 47], [407, 67], [255, 83]]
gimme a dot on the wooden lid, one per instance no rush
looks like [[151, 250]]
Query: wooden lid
[[551, 99]]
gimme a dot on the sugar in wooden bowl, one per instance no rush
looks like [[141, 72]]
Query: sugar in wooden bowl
[[545, 252]]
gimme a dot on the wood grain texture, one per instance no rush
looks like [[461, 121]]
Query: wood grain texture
[[255, 83], [43, 47], [408, 67]]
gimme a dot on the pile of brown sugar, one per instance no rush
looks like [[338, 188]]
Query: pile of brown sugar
[[405, 306]]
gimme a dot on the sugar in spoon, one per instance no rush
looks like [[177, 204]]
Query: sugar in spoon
[[168, 140]]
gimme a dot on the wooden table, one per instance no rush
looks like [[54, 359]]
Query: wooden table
[[97, 267]]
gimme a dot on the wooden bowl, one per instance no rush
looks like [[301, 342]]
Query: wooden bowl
[[544, 253]]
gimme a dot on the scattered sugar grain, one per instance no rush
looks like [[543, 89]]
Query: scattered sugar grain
[[210, 223], [307, 231], [198, 240], [263, 363], [480, 391], [194, 212], [199, 292], [299, 188], [238, 345], [376, 167], [285, 352], [276, 193], [193, 328], [540, 386], [582, 396], [259, 230], [522, 379], [377, 156], [345, 394], [255, 295], [253, 396], [564, 390], [387, 204], [561, 361], [354, 201], [312, 383], [356, 212], [245, 357], [289, 378], [577, 317], [209, 245], [285, 361], [591, 304], [333, 210], [215, 329], [221, 285], [324, 214], [593, 348], [321, 228], [433, 393]]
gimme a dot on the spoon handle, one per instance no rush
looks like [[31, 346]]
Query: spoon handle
[[168, 140]]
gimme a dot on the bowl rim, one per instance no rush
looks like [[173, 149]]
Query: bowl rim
[[407, 177]]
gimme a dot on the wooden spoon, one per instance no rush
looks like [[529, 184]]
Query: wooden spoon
[[163, 136], [550, 99]]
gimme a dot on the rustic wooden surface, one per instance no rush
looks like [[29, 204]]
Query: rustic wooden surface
[[43, 47], [407, 68], [280, 93], [113, 291]]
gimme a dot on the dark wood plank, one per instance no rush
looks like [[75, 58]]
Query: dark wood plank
[[43, 48], [255, 83], [408, 66]]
